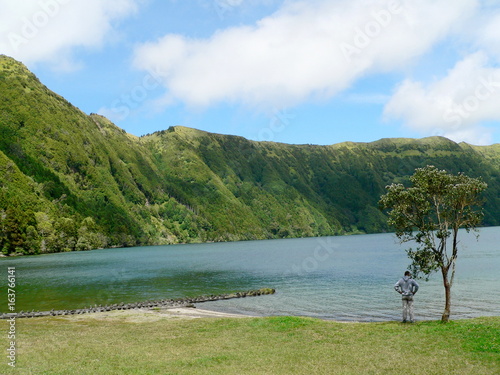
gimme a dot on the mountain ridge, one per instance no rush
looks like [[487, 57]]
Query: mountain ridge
[[72, 181]]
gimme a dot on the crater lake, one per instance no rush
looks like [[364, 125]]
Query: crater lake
[[347, 278]]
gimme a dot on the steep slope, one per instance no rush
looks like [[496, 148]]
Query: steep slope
[[87, 183], [324, 189], [69, 181]]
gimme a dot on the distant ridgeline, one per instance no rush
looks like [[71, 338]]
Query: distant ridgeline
[[70, 181]]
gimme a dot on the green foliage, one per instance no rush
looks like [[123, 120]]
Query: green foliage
[[430, 213], [59, 166]]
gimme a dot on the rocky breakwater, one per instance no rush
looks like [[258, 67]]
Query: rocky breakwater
[[167, 303]]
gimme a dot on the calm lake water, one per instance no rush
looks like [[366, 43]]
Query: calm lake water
[[342, 278]]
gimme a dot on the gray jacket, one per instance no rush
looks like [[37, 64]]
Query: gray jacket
[[407, 286]]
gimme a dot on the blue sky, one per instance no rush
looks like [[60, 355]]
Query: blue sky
[[317, 71]]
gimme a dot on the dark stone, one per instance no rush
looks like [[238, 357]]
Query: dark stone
[[186, 302]]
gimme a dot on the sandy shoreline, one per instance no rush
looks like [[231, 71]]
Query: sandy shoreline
[[190, 312], [145, 315], [153, 315]]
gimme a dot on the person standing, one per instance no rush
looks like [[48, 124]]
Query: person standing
[[407, 287]]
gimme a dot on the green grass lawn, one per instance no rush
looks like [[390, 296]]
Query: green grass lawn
[[277, 345]]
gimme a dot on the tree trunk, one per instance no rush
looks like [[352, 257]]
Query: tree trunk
[[447, 295]]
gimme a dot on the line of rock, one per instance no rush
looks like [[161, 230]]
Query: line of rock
[[167, 303]]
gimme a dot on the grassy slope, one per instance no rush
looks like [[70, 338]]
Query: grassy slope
[[324, 189], [60, 166], [77, 166], [277, 345]]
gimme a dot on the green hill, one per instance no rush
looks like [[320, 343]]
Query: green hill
[[70, 181]]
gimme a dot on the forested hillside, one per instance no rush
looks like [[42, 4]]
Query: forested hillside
[[70, 181]]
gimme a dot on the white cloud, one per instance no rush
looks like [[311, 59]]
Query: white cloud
[[454, 106], [487, 33], [47, 30], [307, 49]]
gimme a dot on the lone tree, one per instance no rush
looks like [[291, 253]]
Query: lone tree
[[431, 212]]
